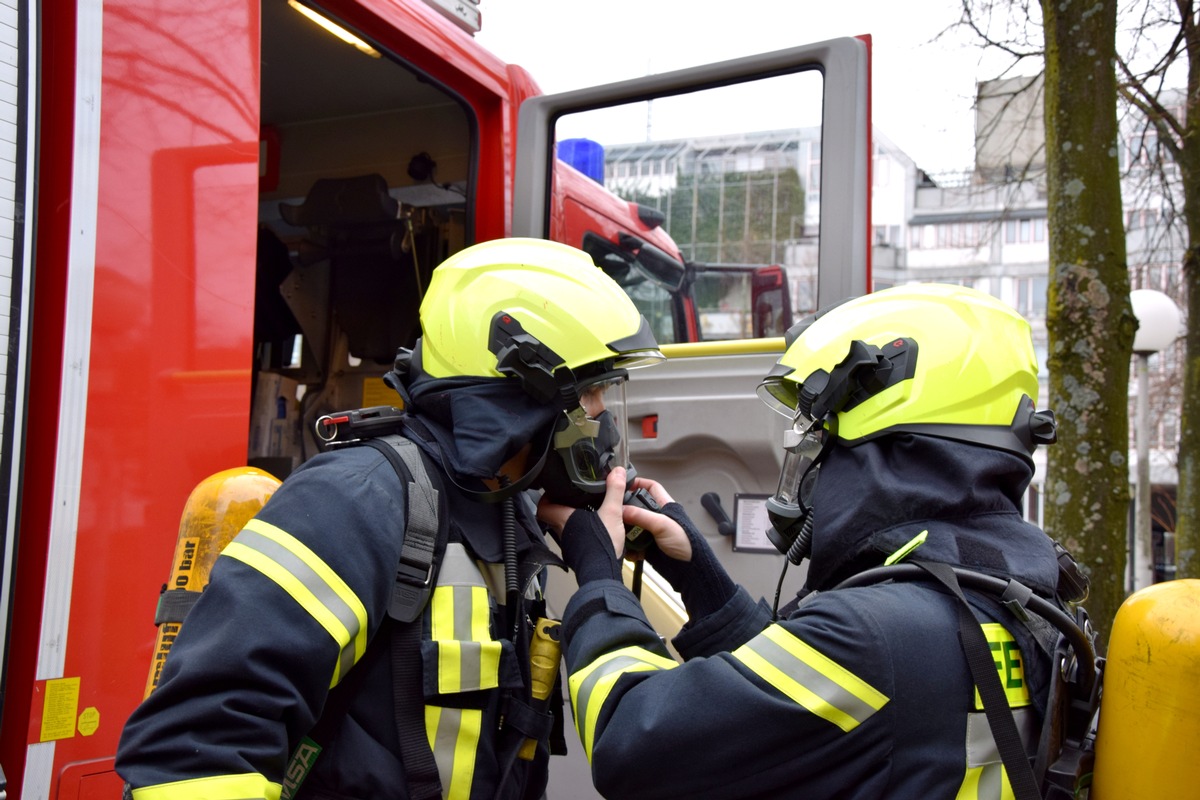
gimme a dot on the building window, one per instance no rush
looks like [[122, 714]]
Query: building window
[[1031, 297], [1033, 504], [1040, 353], [1024, 231]]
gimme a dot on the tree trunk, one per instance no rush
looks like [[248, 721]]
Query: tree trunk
[[1187, 524], [1187, 520], [1088, 318]]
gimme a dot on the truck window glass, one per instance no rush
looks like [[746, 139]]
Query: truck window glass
[[733, 176], [652, 298]]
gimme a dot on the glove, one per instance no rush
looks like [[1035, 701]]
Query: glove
[[587, 548], [703, 582]]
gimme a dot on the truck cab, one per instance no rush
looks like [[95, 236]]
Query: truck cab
[[235, 213]]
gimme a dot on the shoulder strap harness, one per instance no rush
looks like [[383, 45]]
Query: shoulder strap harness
[[1064, 757]]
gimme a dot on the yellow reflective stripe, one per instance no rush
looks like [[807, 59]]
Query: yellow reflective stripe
[[985, 783], [1010, 665], [812, 680], [311, 582], [468, 659], [250, 786], [468, 666], [591, 685], [985, 777], [454, 739], [441, 614]]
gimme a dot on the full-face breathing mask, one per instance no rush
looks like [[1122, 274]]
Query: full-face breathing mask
[[805, 444], [588, 442], [590, 437]]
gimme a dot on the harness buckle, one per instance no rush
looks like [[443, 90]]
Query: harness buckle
[[412, 573]]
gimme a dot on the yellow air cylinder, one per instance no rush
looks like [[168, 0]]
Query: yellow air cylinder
[[214, 513], [1148, 743]]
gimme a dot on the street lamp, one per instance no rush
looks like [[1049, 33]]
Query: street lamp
[[1158, 326]]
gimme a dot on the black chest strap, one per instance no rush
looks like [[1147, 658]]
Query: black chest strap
[[425, 535], [425, 532]]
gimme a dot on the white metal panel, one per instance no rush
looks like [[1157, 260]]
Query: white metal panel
[[9, 110], [68, 467], [18, 75]]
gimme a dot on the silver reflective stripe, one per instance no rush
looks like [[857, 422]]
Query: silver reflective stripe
[[460, 617], [985, 778], [458, 568], [290, 568], [445, 741], [591, 686], [469, 667], [584, 694], [981, 746], [467, 659], [991, 783], [454, 739], [814, 681]]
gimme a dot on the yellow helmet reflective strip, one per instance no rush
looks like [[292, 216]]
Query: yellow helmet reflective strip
[[250, 786], [460, 616], [454, 738], [591, 685], [816, 682], [1009, 664], [311, 583]]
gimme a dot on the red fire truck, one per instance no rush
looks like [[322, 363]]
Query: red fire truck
[[222, 217]]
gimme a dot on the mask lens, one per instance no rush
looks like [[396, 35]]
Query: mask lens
[[604, 401], [593, 439]]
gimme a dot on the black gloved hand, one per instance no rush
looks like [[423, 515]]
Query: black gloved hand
[[587, 548], [703, 582]]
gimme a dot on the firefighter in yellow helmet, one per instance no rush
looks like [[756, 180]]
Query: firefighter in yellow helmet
[[913, 423], [367, 636]]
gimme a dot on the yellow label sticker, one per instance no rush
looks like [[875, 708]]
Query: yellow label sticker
[[378, 393], [59, 709], [89, 720]]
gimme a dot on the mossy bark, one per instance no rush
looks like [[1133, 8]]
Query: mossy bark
[[1089, 319]]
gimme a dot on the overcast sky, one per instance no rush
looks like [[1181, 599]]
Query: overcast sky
[[922, 89]]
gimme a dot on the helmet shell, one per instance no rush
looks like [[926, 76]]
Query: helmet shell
[[974, 362], [554, 291]]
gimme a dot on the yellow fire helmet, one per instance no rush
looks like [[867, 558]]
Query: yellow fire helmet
[[524, 308], [932, 359]]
